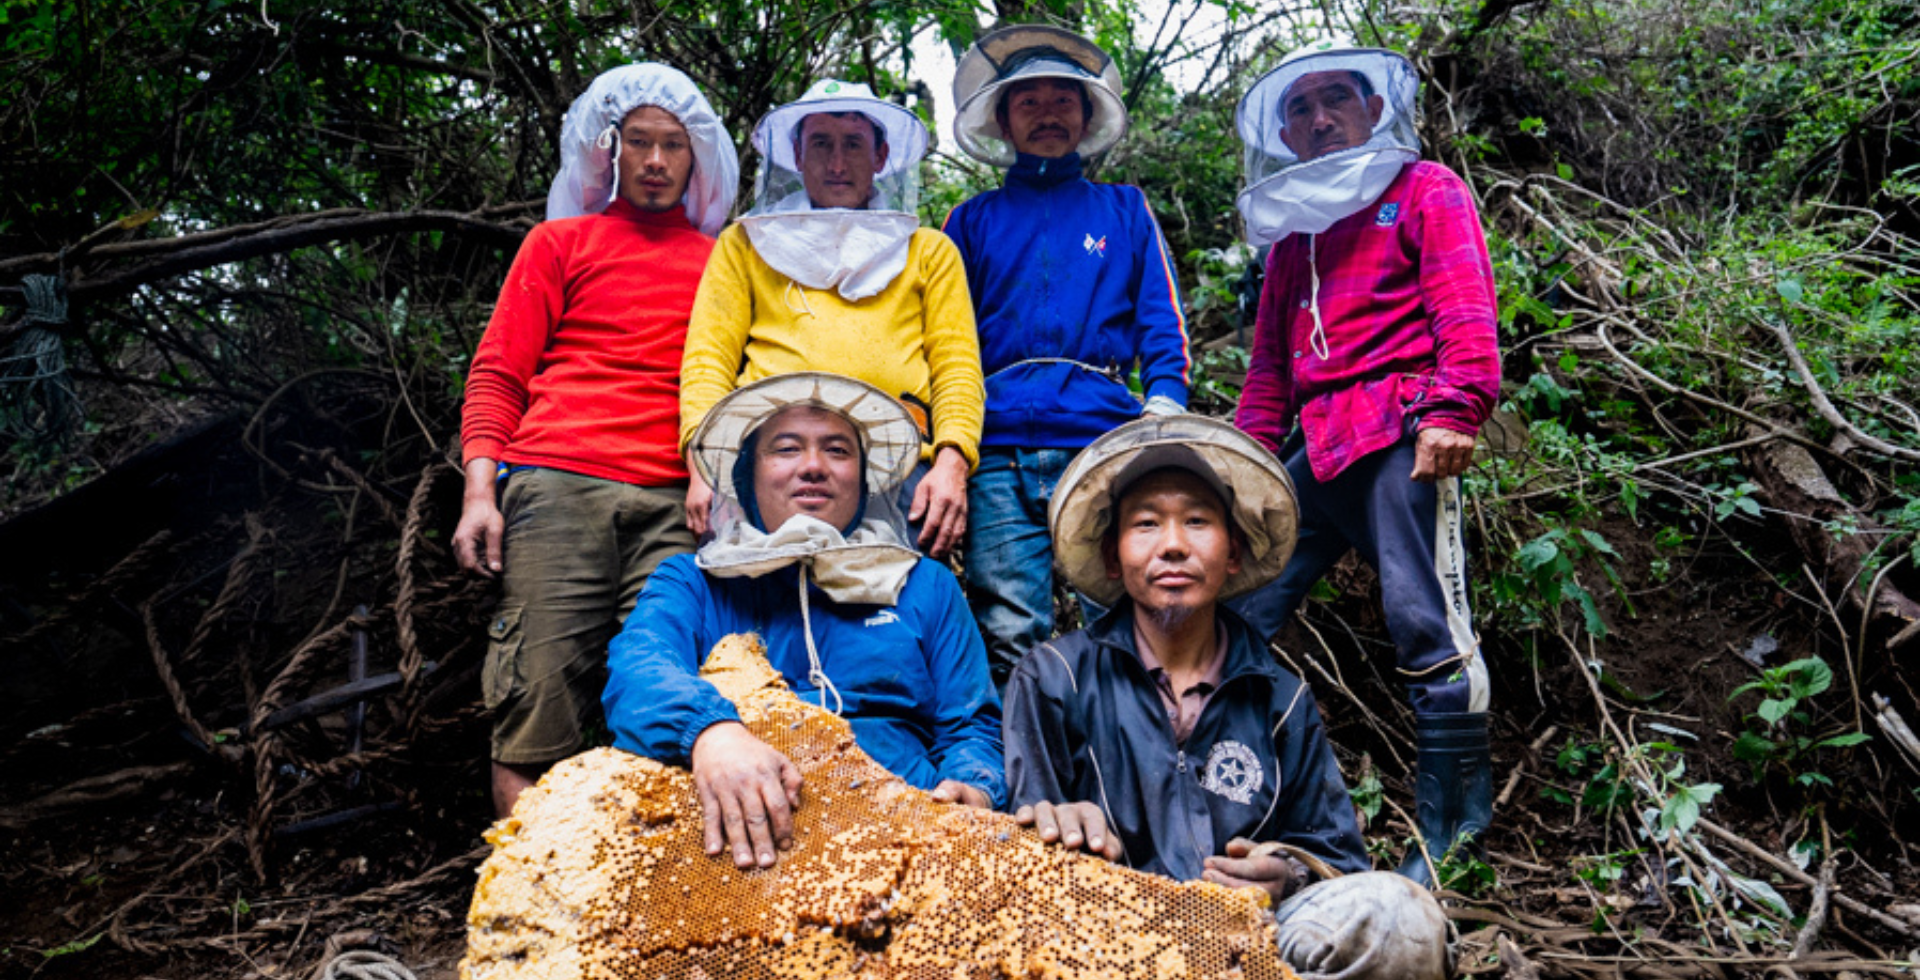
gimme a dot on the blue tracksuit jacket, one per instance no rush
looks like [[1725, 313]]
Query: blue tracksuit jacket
[[913, 676], [1071, 284]]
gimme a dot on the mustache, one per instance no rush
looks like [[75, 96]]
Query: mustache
[[1049, 129]]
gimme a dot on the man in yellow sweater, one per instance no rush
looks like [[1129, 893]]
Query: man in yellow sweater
[[831, 271]]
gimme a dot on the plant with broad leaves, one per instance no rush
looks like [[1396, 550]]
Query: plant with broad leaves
[[1781, 729]]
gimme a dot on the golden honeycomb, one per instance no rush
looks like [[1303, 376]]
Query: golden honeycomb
[[600, 874]]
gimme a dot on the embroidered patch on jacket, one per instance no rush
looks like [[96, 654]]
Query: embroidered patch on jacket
[[1233, 771], [1096, 245], [881, 618], [1389, 213]]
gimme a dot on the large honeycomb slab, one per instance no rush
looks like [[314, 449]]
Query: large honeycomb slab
[[600, 873]]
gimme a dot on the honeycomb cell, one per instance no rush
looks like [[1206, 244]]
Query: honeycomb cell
[[601, 874]]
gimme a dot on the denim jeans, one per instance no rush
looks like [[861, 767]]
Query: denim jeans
[[1009, 557]]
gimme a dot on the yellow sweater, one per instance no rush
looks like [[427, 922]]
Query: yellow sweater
[[915, 339]]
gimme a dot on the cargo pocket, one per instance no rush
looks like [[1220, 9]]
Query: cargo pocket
[[500, 680]]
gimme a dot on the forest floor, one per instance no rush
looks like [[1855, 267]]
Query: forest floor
[[144, 839]]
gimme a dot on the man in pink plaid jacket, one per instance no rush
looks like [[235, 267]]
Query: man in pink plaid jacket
[[1373, 367]]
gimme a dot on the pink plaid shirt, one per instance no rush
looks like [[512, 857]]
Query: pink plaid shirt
[[1406, 300]]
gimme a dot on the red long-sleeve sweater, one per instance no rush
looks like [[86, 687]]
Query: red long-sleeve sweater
[[579, 369]]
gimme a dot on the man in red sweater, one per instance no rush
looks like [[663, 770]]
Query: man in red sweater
[[572, 408]]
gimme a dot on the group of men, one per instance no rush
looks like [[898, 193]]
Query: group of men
[[788, 431]]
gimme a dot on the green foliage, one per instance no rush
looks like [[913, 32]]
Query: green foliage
[[72, 948], [1778, 728]]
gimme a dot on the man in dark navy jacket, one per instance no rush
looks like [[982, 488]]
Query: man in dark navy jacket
[[1073, 290], [1165, 736]]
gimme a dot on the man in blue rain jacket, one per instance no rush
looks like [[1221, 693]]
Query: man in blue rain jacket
[[810, 553]]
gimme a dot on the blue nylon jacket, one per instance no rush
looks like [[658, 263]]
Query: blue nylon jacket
[[1066, 269], [1085, 723], [913, 676]]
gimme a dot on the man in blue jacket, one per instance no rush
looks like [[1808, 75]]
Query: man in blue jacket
[[1073, 290], [811, 553], [1165, 736]]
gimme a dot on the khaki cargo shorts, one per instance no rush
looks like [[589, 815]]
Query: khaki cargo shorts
[[578, 549]]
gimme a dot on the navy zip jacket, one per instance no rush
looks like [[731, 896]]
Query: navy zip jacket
[[1084, 722], [1071, 284], [913, 676]]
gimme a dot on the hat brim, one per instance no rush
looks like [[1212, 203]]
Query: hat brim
[[906, 134], [888, 436], [1258, 116], [979, 78], [1260, 498]]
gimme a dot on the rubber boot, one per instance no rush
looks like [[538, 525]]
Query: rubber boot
[[1453, 796]]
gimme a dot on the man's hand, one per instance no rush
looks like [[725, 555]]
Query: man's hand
[[1440, 453], [955, 791], [1239, 869], [748, 792], [477, 538], [1071, 825], [942, 498], [699, 502]]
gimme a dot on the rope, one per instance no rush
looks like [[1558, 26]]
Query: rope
[[37, 400], [411, 532], [365, 964]]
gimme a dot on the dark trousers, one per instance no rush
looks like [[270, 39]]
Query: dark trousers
[[1410, 533]]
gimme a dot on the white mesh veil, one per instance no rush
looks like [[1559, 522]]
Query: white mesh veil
[[589, 139], [856, 252], [896, 186], [1284, 194]]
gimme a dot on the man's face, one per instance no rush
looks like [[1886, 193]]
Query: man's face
[[1044, 116], [656, 158], [807, 462], [1173, 547], [838, 158], [1325, 112]]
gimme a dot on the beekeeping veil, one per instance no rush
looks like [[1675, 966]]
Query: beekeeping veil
[[1253, 484], [1014, 54], [590, 143], [1285, 195], [855, 252], [866, 563]]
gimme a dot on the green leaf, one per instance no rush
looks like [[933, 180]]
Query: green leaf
[[1848, 740], [1750, 747], [1808, 677], [1789, 289], [1565, 172], [77, 946], [1683, 811], [1774, 709], [1537, 553]]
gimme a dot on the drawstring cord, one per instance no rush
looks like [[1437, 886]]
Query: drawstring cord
[[1318, 339], [609, 140], [815, 674], [805, 307]]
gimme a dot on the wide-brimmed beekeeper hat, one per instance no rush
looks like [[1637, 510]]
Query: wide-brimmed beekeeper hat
[[906, 135], [889, 440], [1013, 54], [1253, 484], [1284, 194], [590, 141]]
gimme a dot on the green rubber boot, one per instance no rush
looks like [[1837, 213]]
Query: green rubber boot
[[1453, 795]]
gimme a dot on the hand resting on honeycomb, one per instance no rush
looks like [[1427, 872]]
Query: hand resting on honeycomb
[[602, 872]]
